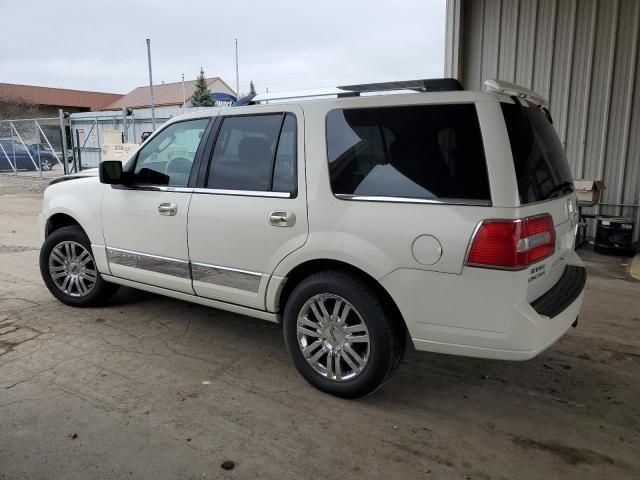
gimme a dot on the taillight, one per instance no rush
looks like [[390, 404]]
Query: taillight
[[512, 244]]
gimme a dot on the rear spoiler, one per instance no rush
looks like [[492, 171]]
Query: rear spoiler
[[513, 90]]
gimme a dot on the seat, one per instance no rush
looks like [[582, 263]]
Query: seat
[[255, 158]]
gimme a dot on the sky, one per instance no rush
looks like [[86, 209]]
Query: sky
[[283, 45]]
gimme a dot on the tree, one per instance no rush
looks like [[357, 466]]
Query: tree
[[252, 88], [202, 95]]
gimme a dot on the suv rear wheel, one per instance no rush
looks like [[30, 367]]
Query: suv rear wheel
[[69, 270], [340, 336]]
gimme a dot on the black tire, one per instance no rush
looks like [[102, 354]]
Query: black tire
[[99, 292], [387, 336]]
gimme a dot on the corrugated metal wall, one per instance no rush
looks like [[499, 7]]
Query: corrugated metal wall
[[580, 54]]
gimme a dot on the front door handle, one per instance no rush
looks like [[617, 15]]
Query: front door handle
[[168, 209], [282, 219]]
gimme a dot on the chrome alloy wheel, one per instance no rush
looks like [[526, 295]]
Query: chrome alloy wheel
[[72, 269], [333, 337]]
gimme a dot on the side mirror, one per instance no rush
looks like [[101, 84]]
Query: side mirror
[[111, 172]]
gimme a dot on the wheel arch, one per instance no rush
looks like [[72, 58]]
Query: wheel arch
[[58, 221], [309, 267]]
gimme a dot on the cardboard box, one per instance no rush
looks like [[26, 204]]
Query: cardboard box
[[113, 137], [119, 151], [589, 190]]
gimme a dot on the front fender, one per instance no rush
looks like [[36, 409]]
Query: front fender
[[80, 199]]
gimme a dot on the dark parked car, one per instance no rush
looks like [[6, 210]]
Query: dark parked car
[[44, 147], [14, 154]]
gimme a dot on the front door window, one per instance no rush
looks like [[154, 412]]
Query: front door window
[[167, 159]]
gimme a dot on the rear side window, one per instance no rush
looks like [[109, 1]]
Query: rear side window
[[425, 152], [255, 153], [541, 166]]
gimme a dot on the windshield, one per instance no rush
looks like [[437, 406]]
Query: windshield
[[541, 166]]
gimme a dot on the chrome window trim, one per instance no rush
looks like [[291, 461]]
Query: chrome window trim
[[241, 193], [226, 277], [145, 261], [154, 188], [434, 201]]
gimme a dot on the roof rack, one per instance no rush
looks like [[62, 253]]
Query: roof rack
[[424, 85]]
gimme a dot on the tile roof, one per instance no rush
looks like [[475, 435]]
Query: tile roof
[[60, 97], [164, 94]]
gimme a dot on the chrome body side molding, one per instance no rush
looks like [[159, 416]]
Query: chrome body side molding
[[144, 261], [228, 277], [199, 272]]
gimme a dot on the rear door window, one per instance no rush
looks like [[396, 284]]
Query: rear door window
[[424, 152], [255, 153], [540, 163]]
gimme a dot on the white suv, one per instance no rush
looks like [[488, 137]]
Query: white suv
[[356, 220]]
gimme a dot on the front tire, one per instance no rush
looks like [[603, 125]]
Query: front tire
[[69, 270], [341, 337]]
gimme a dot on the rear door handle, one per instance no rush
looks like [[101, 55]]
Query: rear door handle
[[282, 219], [168, 209]]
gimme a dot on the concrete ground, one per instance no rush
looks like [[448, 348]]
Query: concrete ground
[[155, 388]]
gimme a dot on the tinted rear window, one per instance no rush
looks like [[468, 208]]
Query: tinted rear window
[[541, 166], [426, 151]]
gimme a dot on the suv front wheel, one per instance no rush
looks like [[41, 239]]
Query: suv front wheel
[[341, 337], [69, 270]]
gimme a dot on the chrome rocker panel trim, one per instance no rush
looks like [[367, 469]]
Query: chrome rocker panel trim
[[229, 307]]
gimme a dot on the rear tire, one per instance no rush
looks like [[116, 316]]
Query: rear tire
[[342, 338], [69, 270]]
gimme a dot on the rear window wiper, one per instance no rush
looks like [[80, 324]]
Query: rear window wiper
[[561, 188]]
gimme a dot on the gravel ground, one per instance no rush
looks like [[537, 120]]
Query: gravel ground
[[24, 182], [155, 388]]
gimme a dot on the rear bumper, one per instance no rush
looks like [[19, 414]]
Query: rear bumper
[[562, 294], [471, 314]]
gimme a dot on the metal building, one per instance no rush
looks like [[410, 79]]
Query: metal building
[[582, 55]]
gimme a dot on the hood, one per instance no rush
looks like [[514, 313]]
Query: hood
[[90, 172]]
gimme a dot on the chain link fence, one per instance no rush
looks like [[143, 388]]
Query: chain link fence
[[32, 147]]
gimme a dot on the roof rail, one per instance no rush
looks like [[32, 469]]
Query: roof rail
[[247, 100], [424, 85], [507, 88]]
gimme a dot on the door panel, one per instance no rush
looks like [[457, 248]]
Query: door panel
[[145, 224], [142, 244], [238, 235]]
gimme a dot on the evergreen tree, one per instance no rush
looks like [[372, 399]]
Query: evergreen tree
[[252, 88], [202, 95]]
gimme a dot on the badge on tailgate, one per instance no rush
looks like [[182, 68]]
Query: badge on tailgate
[[537, 272]]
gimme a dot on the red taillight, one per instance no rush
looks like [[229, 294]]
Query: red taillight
[[512, 244]]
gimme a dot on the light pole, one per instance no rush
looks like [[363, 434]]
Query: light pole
[[153, 107], [184, 96], [237, 75]]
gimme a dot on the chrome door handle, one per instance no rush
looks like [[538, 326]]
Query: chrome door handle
[[282, 219], [168, 209]]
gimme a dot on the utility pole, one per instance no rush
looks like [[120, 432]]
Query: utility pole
[[184, 96], [237, 76], [153, 106]]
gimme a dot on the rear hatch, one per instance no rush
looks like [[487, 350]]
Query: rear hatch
[[545, 186]]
